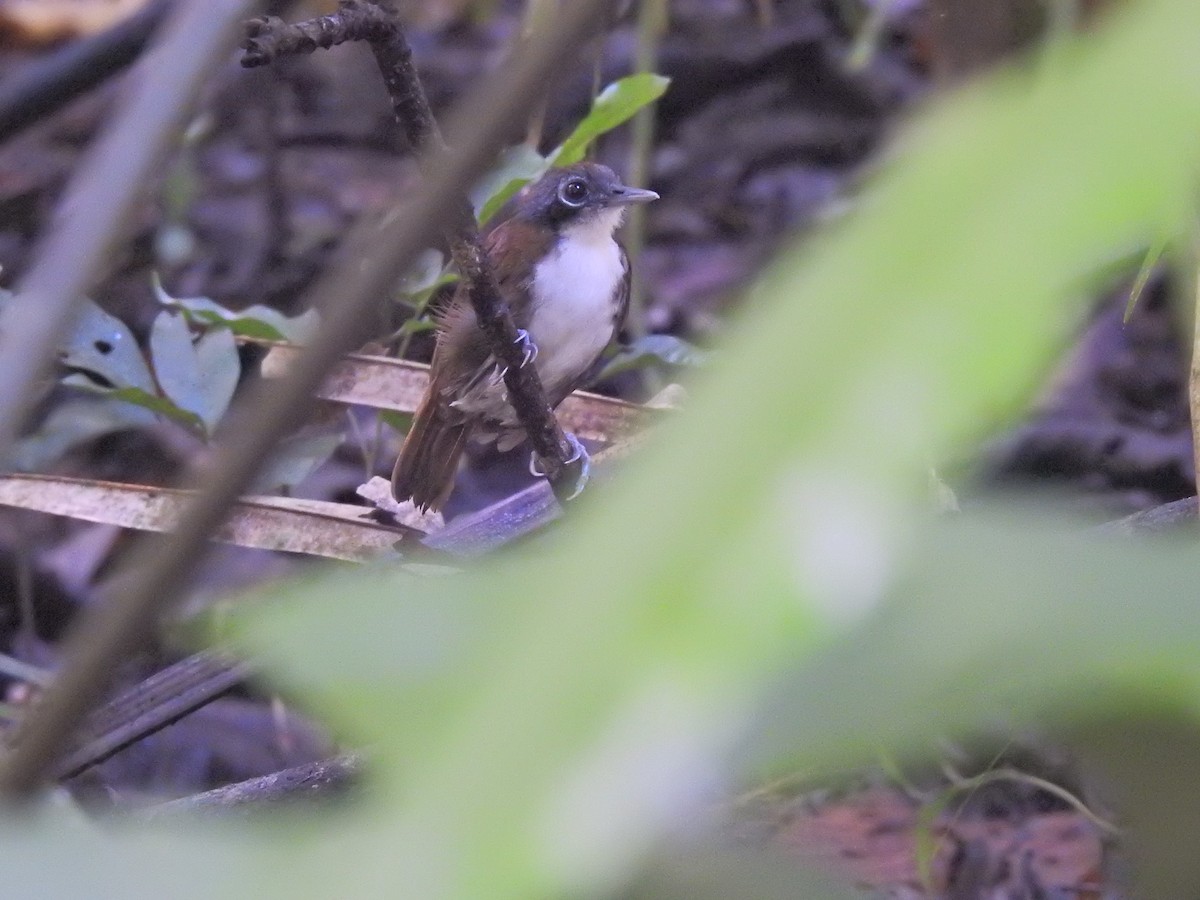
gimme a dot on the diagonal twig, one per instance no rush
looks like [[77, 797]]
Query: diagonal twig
[[380, 27], [157, 569], [43, 87]]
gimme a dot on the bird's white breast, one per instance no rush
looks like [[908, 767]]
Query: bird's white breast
[[573, 298]]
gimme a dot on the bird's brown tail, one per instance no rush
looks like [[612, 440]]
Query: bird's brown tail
[[429, 458]]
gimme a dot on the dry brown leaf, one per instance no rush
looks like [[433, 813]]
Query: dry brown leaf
[[47, 21], [333, 530], [383, 383]]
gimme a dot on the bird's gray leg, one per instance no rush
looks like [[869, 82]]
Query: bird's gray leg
[[578, 454]]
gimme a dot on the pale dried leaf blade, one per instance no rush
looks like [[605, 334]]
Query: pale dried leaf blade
[[383, 383], [313, 527], [378, 492]]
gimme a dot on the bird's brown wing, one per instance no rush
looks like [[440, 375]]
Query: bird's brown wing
[[428, 460], [509, 248]]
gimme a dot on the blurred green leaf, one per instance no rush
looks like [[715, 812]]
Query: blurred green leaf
[[425, 274], [158, 404], [259, 322], [542, 720], [1004, 617], [129, 863], [718, 870], [615, 105]]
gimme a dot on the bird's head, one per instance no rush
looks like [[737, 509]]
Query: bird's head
[[584, 197]]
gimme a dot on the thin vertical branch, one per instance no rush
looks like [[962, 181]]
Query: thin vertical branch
[[536, 14], [652, 25], [765, 9]]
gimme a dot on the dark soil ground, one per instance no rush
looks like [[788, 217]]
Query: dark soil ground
[[765, 130]]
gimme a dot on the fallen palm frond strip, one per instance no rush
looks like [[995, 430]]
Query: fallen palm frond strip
[[334, 530], [383, 383]]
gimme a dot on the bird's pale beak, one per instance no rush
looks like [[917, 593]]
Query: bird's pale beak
[[625, 195]]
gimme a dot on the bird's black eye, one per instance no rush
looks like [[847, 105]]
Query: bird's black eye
[[573, 192]]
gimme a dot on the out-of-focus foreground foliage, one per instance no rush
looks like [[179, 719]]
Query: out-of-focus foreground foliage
[[537, 723]]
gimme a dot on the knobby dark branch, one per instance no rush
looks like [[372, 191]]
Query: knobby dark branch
[[269, 39]]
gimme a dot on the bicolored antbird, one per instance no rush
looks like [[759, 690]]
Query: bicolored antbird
[[566, 280]]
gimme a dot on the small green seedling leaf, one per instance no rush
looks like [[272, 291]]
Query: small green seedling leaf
[[103, 345], [518, 166], [417, 326], [429, 274], [654, 350], [425, 275], [295, 458], [396, 420], [616, 104], [1149, 261], [259, 322], [154, 402], [521, 164]]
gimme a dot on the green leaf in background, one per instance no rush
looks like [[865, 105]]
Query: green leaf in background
[[615, 105], [517, 167], [417, 326], [140, 399], [539, 722], [396, 420], [663, 350], [102, 344], [199, 377], [259, 322], [295, 458], [75, 422], [430, 272]]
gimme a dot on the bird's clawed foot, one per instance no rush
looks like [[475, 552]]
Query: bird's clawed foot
[[527, 345], [578, 455]]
